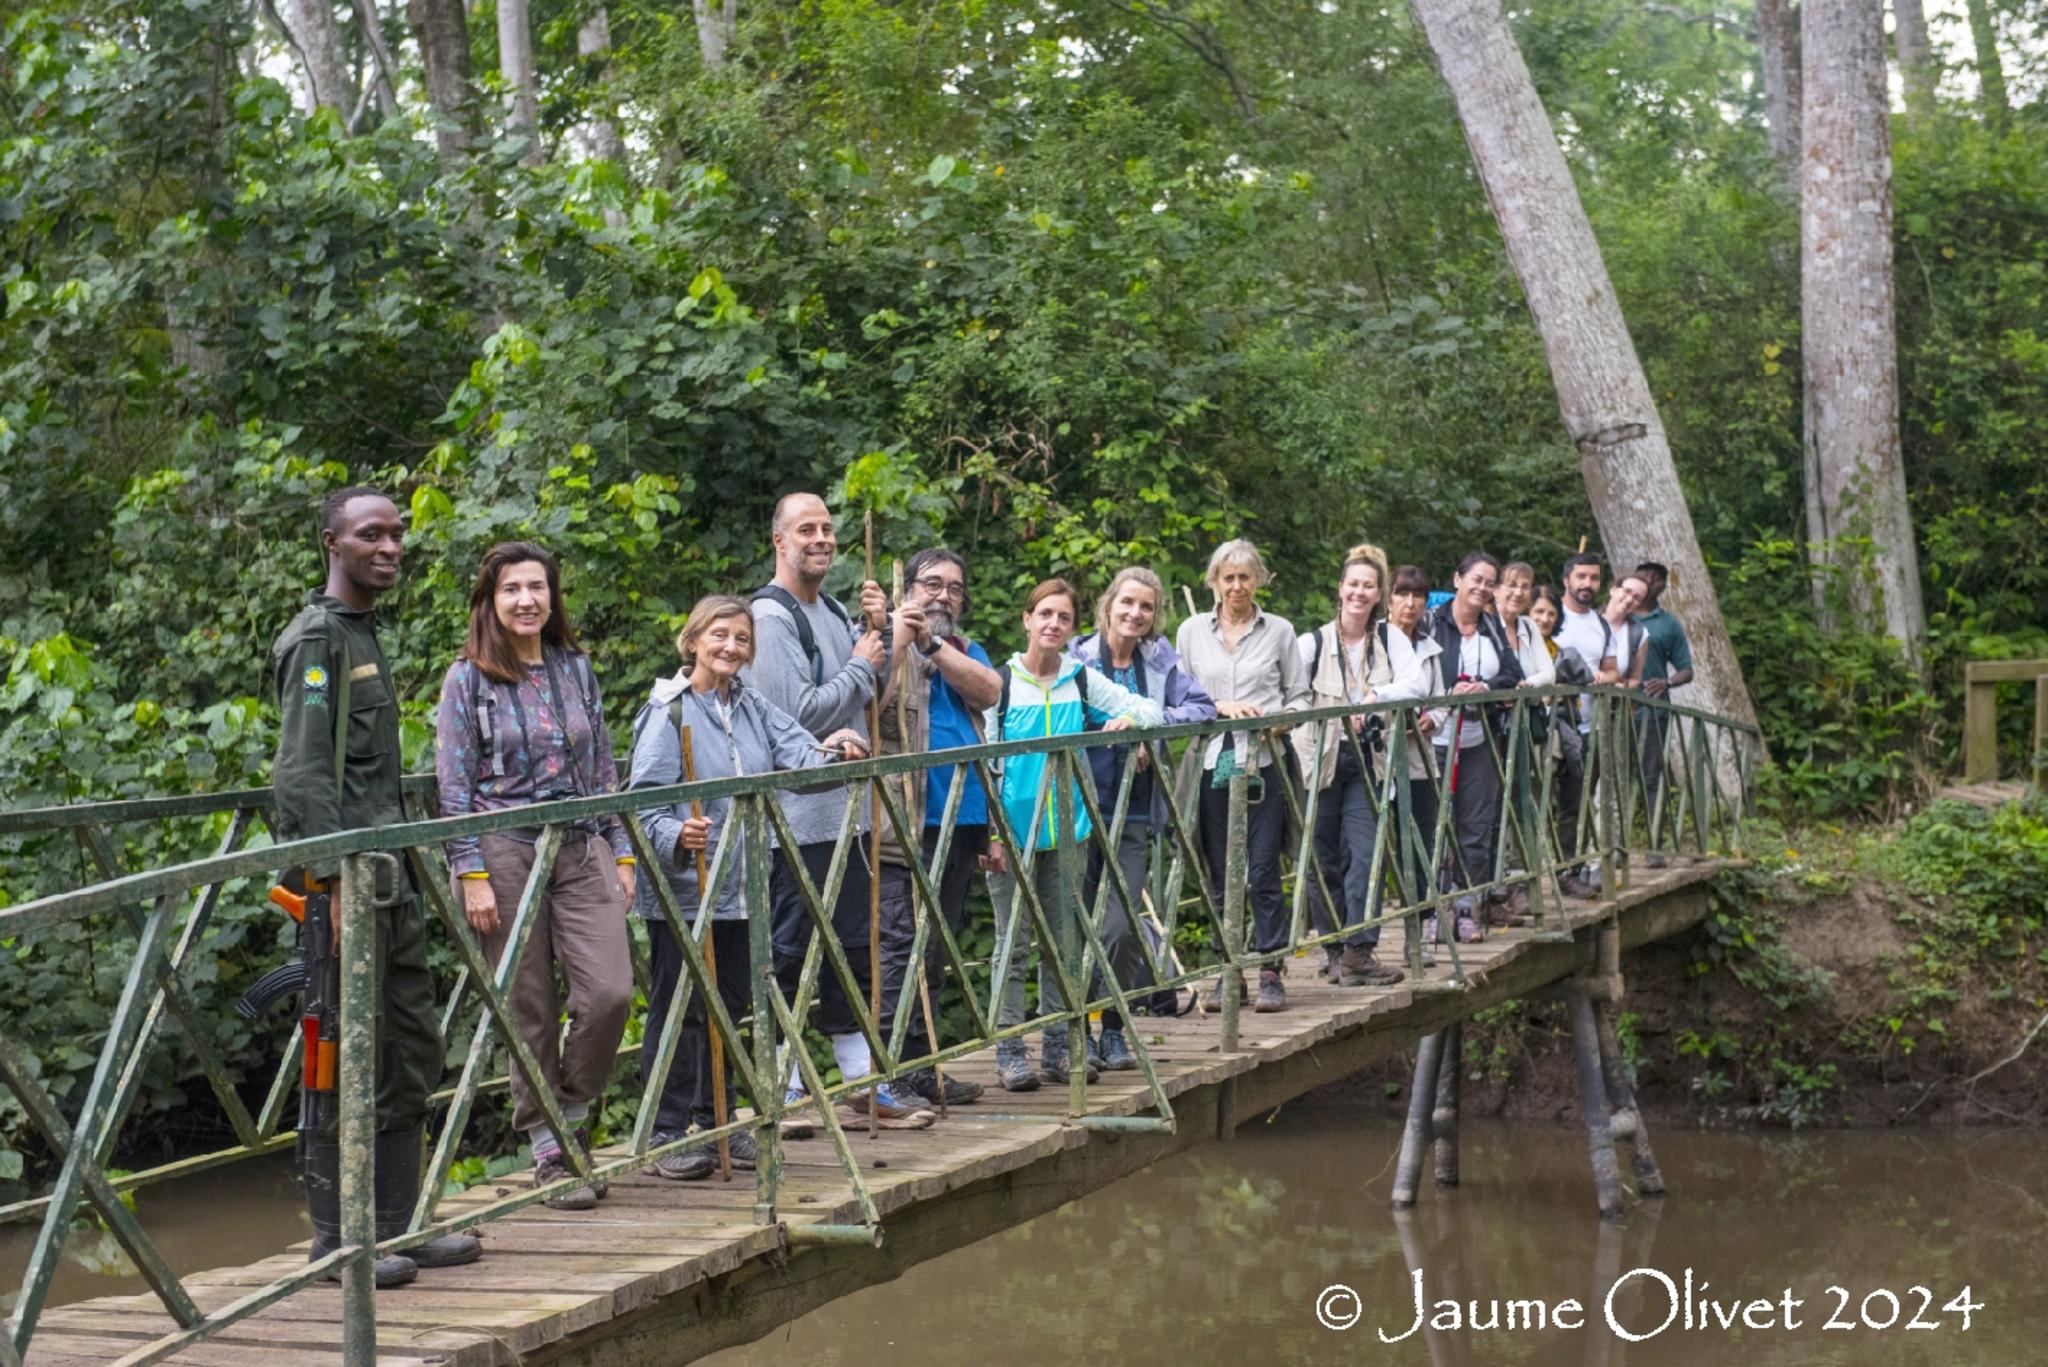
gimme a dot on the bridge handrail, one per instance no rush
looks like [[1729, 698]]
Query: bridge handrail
[[1408, 863], [111, 895]]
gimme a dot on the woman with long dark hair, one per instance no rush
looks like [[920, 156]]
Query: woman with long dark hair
[[1477, 658], [521, 721]]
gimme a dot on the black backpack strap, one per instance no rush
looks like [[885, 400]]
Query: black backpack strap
[[1088, 723], [1003, 707], [805, 637], [483, 700]]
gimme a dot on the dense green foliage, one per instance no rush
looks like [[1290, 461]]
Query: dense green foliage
[[1063, 286]]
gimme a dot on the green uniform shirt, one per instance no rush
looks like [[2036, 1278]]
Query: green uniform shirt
[[1665, 647], [334, 693]]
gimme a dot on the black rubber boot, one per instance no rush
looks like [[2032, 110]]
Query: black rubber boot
[[320, 1170], [398, 1187]]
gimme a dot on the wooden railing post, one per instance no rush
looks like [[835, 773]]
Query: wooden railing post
[[1980, 726]]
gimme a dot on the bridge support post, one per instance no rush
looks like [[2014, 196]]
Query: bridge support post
[[1444, 1121], [1625, 1119], [1415, 1134], [1593, 1105]]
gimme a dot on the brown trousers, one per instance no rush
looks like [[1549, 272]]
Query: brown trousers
[[580, 924]]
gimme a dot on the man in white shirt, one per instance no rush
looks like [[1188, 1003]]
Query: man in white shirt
[[1584, 630]]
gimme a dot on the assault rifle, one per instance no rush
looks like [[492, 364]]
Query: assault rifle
[[315, 973]]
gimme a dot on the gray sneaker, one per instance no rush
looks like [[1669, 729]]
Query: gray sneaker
[[684, 1165], [1013, 1067], [1116, 1052]]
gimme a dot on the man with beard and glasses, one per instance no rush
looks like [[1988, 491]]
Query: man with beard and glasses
[[939, 684], [1580, 629]]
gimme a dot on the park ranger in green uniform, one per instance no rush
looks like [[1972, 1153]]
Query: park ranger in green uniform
[[338, 769]]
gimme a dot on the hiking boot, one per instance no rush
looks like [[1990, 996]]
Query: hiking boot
[[684, 1165], [583, 1139], [1358, 968], [1332, 956], [397, 1187], [1656, 861], [1272, 996], [889, 1103], [797, 1126], [551, 1166], [1116, 1052], [1013, 1067], [925, 1084], [1428, 945], [1215, 997], [1164, 1002], [1053, 1057], [1465, 911]]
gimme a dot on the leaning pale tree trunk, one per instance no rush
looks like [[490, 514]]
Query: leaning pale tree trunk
[[310, 26], [1990, 70], [522, 87], [441, 27], [1601, 390], [717, 25], [1848, 338], [1917, 73], [1777, 47]]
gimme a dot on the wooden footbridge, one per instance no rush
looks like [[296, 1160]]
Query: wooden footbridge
[[662, 1272]]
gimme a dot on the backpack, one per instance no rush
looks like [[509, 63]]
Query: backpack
[[805, 636], [484, 702], [1003, 704]]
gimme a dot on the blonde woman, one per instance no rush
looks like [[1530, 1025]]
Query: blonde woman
[[1248, 660], [1356, 658]]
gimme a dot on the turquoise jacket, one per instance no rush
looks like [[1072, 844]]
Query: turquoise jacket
[[1033, 711]]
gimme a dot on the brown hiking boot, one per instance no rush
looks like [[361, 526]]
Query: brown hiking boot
[[1272, 996], [1213, 999], [1358, 968]]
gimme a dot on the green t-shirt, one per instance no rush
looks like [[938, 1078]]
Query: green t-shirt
[[1664, 645]]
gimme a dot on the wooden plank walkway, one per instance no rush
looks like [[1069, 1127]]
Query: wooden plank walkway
[[1986, 794], [663, 1272]]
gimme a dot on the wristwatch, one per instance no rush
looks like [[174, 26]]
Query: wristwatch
[[933, 648]]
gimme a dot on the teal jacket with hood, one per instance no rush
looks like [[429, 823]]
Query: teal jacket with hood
[[1035, 711]]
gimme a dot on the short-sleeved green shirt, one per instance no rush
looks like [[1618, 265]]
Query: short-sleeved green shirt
[[1664, 645]]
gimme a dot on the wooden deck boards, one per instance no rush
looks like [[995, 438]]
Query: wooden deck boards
[[550, 1280], [1986, 794]]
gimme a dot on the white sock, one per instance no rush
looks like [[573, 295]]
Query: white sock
[[851, 1053]]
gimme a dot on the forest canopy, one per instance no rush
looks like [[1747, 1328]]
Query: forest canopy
[[1061, 285]]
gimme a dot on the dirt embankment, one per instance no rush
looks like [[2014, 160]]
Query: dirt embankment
[[1843, 1008]]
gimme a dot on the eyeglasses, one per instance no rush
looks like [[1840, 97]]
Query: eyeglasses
[[942, 588]]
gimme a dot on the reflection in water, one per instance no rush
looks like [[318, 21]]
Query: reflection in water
[[1219, 1255], [231, 1215]]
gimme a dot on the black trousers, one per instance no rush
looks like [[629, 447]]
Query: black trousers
[[1569, 799], [899, 926], [793, 927], [1265, 834], [686, 1091]]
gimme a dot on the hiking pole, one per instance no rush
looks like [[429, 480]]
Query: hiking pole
[[874, 854], [710, 975], [924, 992]]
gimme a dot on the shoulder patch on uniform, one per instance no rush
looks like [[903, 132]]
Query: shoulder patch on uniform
[[314, 677], [368, 671]]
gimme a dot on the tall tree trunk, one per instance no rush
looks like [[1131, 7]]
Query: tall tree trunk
[[1777, 46], [1602, 393], [441, 27], [310, 26], [718, 24], [1848, 333], [1916, 57], [1990, 70], [373, 39], [594, 45], [522, 87]]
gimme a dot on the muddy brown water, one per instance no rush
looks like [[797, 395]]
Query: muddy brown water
[[1224, 1254]]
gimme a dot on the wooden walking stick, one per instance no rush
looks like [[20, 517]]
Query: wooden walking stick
[[710, 974], [874, 859], [924, 992]]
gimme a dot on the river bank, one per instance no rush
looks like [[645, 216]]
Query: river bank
[[1870, 976]]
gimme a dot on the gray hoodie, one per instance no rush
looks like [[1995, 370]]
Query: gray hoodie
[[748, 735]]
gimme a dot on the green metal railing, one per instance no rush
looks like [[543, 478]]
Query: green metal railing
[[1693, 799]]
